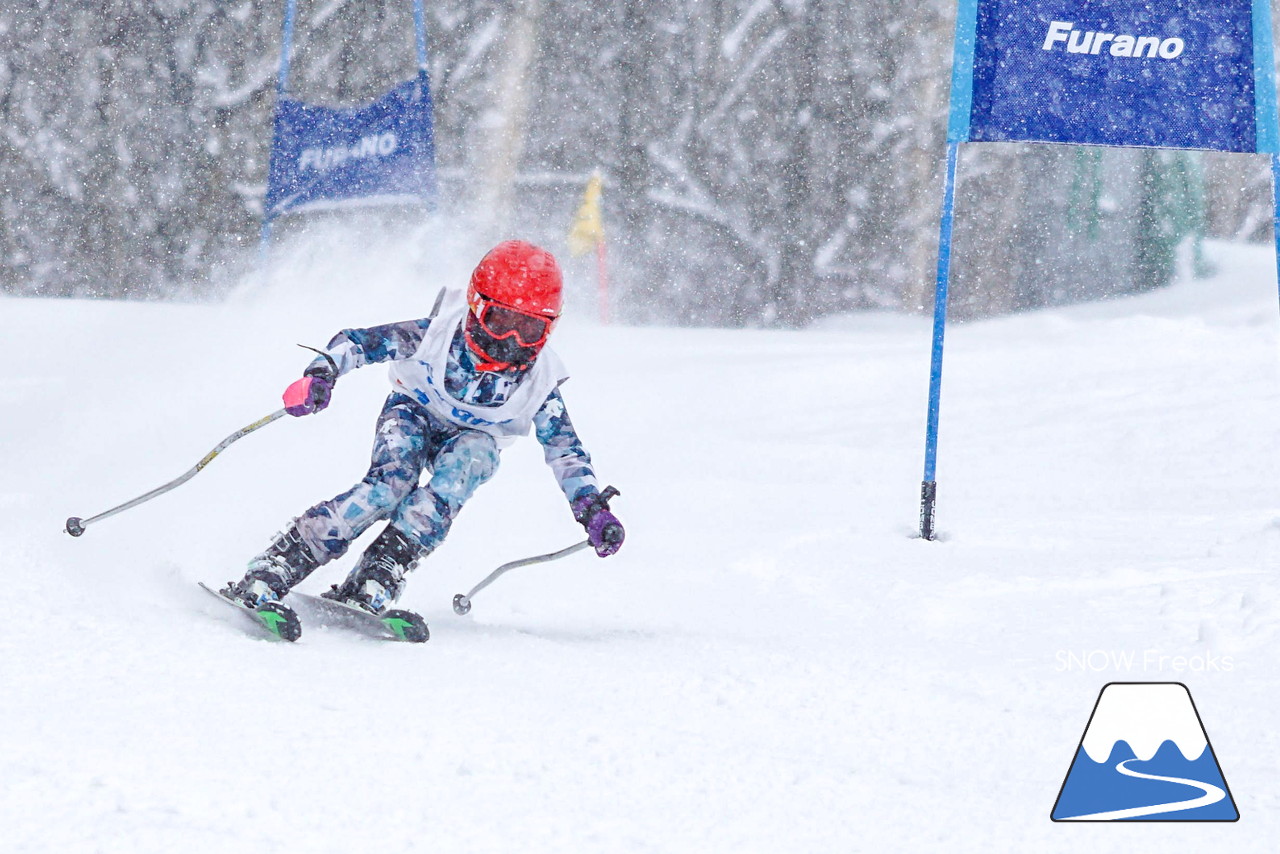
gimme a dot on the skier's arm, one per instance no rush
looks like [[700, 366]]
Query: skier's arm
[[562, 449], [348, 350], [355, 348], [571, 464]]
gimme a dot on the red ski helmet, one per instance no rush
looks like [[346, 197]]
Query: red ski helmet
[[515, 297], [521, 276]]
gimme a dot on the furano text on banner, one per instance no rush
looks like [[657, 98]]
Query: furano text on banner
[[1136, 47]]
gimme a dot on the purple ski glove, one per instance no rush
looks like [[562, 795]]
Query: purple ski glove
[[604, 531], [307, 395]]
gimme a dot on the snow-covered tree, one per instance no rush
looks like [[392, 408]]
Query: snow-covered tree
[[765, 161]]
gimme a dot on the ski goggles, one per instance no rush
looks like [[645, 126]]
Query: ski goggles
[[500, 322]]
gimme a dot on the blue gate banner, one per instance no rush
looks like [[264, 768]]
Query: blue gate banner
[[383, 153], [1168, 74]]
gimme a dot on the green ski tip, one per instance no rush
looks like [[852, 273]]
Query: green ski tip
[[406, 626], [398, 626], [272, 621], [281, 624]]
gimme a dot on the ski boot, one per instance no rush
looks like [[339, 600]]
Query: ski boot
[[377, 580], [270, 576]]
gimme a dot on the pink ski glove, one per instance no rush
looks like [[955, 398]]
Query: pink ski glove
[[307, 395]]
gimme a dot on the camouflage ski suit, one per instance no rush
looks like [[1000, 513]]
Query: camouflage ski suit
[[457, 446]]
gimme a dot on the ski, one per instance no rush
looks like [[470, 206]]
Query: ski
[[396, 624], [276, 619]]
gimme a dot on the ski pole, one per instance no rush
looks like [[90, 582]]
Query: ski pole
[[75, 525], [462, 602], [611, 534]]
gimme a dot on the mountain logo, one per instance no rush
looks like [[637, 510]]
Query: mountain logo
[[1145, 756]]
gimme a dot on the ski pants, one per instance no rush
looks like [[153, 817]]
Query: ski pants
[[409, 441]]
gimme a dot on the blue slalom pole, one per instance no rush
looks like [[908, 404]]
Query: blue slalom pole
[[420, 31], [929, 487], [1275, 203], [264, 240], [286, 48], [282, 89]]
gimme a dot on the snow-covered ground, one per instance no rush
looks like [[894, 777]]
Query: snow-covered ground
[[772, 663]]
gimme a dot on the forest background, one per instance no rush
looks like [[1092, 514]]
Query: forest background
[[766, 162]]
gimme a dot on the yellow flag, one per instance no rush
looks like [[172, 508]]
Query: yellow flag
[[588, 229]]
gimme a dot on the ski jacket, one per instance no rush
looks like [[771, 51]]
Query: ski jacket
[[423, 377], [431, 364]]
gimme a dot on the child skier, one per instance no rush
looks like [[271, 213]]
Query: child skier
[[464, 385]]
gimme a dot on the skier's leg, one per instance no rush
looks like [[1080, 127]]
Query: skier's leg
[[457, 470], [399, 455], [421, 521], [326, 530]]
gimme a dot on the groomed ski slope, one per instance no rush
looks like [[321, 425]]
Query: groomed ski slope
[[772, 663]]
